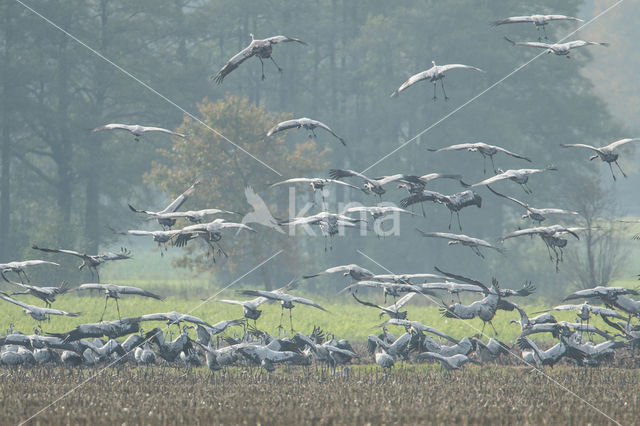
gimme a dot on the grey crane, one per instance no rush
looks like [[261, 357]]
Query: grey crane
[[551, 235], [374, 186], [193, 216], [329, 223], [417, 327], [316, 184], [560, 49], [249, 307], [533, 355], [452, 362], [454, 203], [540, 21], [606, 153], [210, 232], [519, 176], [527, 323], [266, 358], [114, 291], [416, 184], [170, 350], [358, 273], [389, 288], [38, 314], [485, 309], [135, 129], [585, 310], [489, 351], [326, 352], [305, 122], [383, 359], [376, 212], [18, 267], [174, 318], [484, 149], [90, 261], [46, 294], [527, 289], [168, 222], [286, 300], [397, 348], [161, 237], [406, 278], [536, 215], [143, 355], [205, 333], [393, 311], [262, 49], [433, 74], [111, 329], [473, 243]]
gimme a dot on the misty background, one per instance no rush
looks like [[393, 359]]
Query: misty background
[[63, 187]]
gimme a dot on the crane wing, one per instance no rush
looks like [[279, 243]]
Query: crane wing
[[175, 204], [161, 130], [285, 125], [447, 67], [580, 145], [413, 80], [113, 126], [621, 142], [308, 302], [456, 147], [561, 18], [233, 63], [513, 154], [328, 129], [580, 43], [512, 20], [508, 198], [284, 39], [48, 250], [529, 43]]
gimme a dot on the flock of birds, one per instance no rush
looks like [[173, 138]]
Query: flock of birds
[[252, 346]]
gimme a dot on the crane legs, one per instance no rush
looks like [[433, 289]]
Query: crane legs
[[621, 171], [261, 67], [279, 70], [492, 163], [446, 98], [106, 299], [434, 91]]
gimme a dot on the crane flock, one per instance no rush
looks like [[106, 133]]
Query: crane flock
[[575, 341]]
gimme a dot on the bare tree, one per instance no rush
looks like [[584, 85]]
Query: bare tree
[[599, 256]]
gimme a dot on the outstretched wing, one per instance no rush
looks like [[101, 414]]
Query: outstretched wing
[[456, 147], [285, 125], [508, 198], [161, 130], [447, 67], [580, 145], [529, 43], [113, 126], [48, 250], [308, 302], [175, 204], [233, 63], [580, 43], [512, 20], [513, 154], [561, 18], [284, 39], [413, 80], [520, 232], [340, 173], [621, 142], [328, 129]]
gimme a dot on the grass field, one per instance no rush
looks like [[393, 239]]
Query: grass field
[[346, 319], [412, 394]]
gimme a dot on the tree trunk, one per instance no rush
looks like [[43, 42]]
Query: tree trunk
[[5, 165]]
